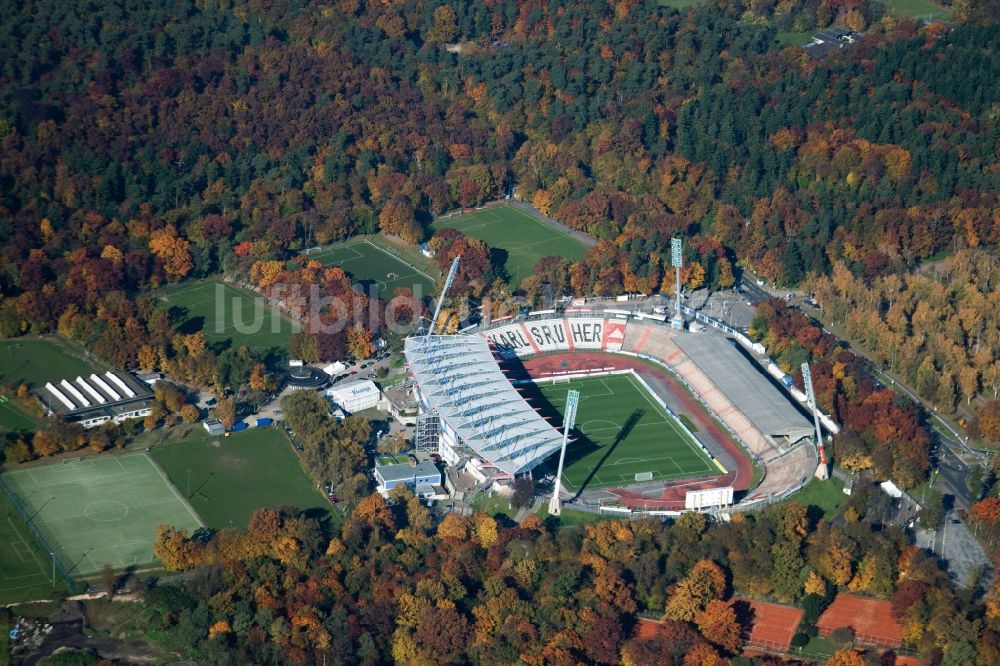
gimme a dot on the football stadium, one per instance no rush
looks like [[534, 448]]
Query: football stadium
[[667, 419]]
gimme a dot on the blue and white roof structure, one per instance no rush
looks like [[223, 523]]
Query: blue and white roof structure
[[459, 378]]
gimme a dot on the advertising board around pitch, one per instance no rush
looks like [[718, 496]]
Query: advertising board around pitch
[[703, 499]]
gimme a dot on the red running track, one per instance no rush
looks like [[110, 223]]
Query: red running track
[[673, 492]]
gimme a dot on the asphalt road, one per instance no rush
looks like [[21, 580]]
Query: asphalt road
[[754, 293], [955, 473]]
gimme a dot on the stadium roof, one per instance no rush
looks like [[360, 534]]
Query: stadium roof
[[768, 409], [459, 378]]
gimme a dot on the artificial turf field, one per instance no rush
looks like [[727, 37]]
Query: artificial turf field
[[368, 264], [101, 511], [620, 431], [524, 238], [230, 477], [227, 315]]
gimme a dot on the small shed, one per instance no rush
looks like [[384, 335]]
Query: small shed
[[214, 427]]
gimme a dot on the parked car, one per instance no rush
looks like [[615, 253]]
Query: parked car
[[298, 447], [353, 372], [327, 487], [333, 498]]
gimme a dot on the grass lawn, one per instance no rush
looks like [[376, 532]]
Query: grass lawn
[[25, 569], [522, 238], [231, 477], [13, 419], [919, 9], [828, 496], [681, 4], [620, 431], [100, 511], [795, 38], [570, 517], [818, 646], [370, 265], [35, 361], [393, 460], [227, 315], [493, 505]]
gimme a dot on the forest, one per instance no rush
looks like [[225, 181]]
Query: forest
[[183, 141], [478, 590]]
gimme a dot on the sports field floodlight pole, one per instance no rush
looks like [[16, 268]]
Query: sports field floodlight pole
[[444, 290], [569, 420], [677, 260], [822, 471]]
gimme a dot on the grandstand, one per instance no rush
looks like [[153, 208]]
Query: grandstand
[[480, 412]]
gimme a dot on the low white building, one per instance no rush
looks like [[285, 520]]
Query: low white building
[[93, 400], [355, 396], [334, 368]]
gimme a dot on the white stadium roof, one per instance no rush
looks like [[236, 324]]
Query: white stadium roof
[[459, 379]]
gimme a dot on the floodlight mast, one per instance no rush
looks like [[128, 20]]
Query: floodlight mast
[[677, 260], [569, 420], [444, 290], [822, 471]]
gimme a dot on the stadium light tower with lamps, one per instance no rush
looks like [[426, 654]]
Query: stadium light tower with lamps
[[444, 290], [569, 420], [822, 471], [677, 260]]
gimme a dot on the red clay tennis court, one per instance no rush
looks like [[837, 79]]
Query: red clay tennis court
[[648, 628], [773, 625], [871, 620]]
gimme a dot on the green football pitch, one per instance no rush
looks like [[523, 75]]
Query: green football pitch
[[227, 478], [227, 315], [101, 511], [621, 431], [524, 238], [369, 264]]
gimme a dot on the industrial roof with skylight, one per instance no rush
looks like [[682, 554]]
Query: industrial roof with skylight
[[460, 380]]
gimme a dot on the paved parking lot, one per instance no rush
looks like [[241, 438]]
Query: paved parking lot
[[957, 547]]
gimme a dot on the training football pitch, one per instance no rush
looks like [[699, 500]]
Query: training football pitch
[[227, 478], [368, 264], [100, 511], [621, 431], [227, 315], [524, 238]]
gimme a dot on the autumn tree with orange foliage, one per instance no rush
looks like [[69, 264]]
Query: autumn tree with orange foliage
[[172, 250]]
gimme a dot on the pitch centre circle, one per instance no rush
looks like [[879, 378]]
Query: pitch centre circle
[[105, 511]]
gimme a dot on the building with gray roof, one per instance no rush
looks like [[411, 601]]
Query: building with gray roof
[[749, 389]]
